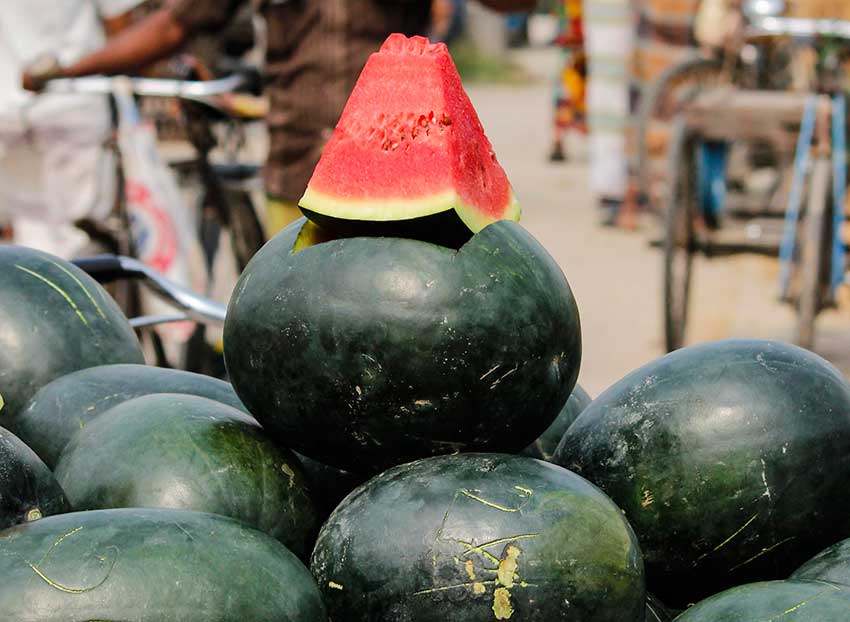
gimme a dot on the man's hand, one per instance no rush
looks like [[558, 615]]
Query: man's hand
[[36, 76]]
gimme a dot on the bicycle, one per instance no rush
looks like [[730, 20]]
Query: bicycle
[[225, 202]]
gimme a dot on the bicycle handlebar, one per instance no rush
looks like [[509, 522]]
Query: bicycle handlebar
[[151, 87], [799, 27], [109, 268]]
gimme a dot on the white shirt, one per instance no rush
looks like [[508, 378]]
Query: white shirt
[[66, 29], [54, 164]]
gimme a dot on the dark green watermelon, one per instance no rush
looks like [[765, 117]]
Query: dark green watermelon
[[147, 565], [544, 447], [54, 319], [188, 452], [730, 459], [64, 406], [832, 564], [28, 490], [479, 537], [328, 485], [367, 352], [775, 601]]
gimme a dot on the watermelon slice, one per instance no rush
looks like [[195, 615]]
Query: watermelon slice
[[409, 144]]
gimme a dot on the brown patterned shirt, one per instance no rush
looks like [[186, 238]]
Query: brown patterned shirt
[[316, 49]]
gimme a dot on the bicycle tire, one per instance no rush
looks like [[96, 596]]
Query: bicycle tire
[[813, 254], [689, 70], [247, 234], [679, 238]]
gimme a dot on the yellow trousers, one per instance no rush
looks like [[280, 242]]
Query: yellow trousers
[[279, 214]]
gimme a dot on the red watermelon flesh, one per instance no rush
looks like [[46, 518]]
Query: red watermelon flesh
[[410, 144]]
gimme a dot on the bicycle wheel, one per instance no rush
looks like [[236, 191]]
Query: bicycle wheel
[[664, 100], [679, 239], [814, 254], [247, 235]]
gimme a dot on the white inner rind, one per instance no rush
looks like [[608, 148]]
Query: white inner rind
[[385, 210]]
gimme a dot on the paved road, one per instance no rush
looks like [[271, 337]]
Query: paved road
[[615, 275]]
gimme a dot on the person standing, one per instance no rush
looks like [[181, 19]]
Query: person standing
[[56, 166], [608, 44], [570, 109], [315, 52]]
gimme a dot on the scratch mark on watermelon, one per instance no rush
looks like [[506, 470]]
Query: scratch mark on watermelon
[[761, 553], [727, 540], [62, 588], [58, 289], [82, 287], [443, 588], [471, 548]]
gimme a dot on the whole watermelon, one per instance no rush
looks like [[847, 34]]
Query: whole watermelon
[[544, 447], [831, 564], [187, 452], [730, 460], [367, 352], [149, 565], [775, 601], [479, 537], [28, 490], [66, 405], [54, 319]]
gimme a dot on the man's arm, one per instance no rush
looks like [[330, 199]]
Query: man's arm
[[114, 24], [510, 5], [155, 37]]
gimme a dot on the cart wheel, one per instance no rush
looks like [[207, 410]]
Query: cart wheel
[[679, 239], [663, 101], [814, 254]]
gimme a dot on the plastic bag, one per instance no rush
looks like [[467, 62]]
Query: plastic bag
[[163, 229]]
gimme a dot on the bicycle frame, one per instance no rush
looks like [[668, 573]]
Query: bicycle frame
[[111, 268]]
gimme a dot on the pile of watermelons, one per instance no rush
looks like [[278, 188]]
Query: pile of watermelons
[[423, 367]]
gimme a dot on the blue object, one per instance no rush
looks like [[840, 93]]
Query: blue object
[[712, 161], [839, 188], [802, 159]]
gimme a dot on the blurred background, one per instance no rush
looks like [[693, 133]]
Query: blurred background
[[684, 162]]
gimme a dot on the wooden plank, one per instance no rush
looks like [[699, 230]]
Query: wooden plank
[[731, 114]]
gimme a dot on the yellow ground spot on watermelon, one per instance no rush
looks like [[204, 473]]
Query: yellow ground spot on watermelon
[[334, 585], [508, 567], [470, 568], [502, 604], [57, 289], [289, 473], [82, 287], [33, 514]]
